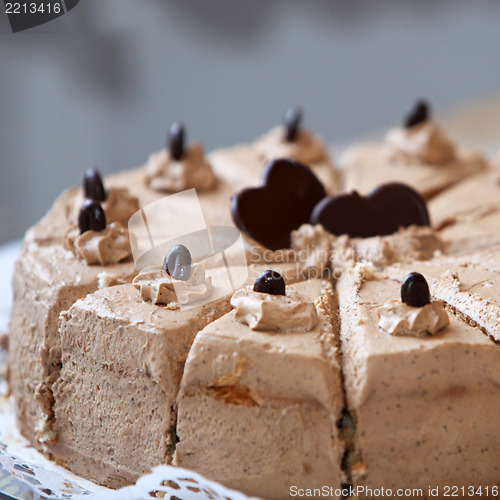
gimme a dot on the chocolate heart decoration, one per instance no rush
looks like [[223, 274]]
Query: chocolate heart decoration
[[383, 211], [284, 202]]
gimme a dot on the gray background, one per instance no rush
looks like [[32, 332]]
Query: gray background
[[100, 85]]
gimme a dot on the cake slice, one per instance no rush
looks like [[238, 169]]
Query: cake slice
[[417, 379], [418, 154], [123, 352], [47, 280], [261, 393]]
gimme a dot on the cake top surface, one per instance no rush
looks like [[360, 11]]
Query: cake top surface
[[123, 304], [58, 267], [360, 303]]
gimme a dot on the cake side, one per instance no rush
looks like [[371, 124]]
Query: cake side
[[122, 362], [414, 400], [46, 281]]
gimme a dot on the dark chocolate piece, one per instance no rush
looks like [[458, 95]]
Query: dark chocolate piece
[[177, 263], [284, 202], [270, 282], [93, 186], [175, 140], [383, 211], [91, 217], [418, 113], [291, 122], [415, 290]]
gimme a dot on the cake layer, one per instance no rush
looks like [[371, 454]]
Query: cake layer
[[258, 410], [47, 280], [415, 400], [114, 401]]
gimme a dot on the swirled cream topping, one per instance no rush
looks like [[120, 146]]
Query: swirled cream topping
[[109, 246], [398, 318], [118, 206], [274, 313], [423, 143], [165, 174], [157, 286], [313, 248], [307, 148]]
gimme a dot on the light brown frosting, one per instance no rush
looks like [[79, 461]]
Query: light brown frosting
[[405, 245], [307, 148], [110, 246], [423, 143], [398, 318], [274, 313], [118, 206], [163, 173], [313, 249], [156, 285]]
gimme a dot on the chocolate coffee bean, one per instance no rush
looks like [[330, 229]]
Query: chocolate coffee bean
[[270, 282], [175, 140], [415, 290], [418, 113], [93, 186], [91, 217], [177, 263], [291, 122]]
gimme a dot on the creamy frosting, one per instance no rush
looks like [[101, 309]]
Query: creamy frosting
[[406, 245], [307, 148], [274, 313], [313, 248], [156, 285], [109, 246], [423, 143], [398, 318], [118, 206], [164, 173]]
